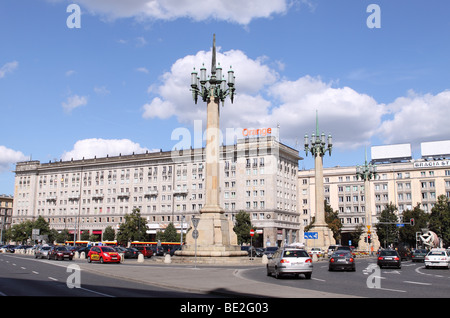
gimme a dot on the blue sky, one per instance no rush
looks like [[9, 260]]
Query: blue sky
[[120, 82]]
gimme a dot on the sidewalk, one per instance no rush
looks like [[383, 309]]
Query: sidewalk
[[209, 280]]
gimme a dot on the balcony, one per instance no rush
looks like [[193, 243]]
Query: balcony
[[151, 193]]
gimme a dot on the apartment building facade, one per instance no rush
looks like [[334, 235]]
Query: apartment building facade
[[258, 175], [404, 183], [6, 209]]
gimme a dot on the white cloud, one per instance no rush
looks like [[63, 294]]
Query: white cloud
[[101, 90], [9, 157], [175, 99], [142, 70], [8, 68], [70, 73], [263, 100], [73, 102], [236, 11], [89, 148], [417, 118]]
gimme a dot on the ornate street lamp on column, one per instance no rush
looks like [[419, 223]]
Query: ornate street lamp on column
[[318, 148], [215, 235], [369, 238]]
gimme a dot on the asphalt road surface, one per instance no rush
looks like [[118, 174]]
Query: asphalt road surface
[[26, 276]]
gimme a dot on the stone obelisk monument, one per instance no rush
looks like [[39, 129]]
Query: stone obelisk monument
[[317, 148], [369, 240], [214, 233]]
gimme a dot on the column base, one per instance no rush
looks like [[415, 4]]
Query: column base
[[216, 238], [325, 237], [367, 247]]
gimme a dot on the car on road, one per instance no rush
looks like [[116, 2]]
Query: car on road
[[103, 254], [85, 250], [59, 252], [270, 250], [316, 251], [419, 255], [342, 260], [251, 251], [292, 261], [128, 252], [259, 252], [437, 258], [389, 258], [145, 250], [42, 251], [331, 249]]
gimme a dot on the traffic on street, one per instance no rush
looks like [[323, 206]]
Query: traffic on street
[[26, 275]]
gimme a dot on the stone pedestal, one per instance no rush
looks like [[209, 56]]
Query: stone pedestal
[[366, 246], [216, 238], [325, 237]]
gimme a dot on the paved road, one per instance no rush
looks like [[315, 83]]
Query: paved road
[[156, 279]]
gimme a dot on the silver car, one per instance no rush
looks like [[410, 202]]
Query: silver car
[[290, 261], [42, 252]]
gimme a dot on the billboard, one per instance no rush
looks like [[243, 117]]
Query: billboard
[[435, 149], [391, 152]]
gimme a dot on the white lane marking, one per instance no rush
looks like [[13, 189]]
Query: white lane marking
[[418, 283]]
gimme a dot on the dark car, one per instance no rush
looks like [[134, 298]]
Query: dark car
[[269, 251], [342, 260], [145, 250], [259, 252], [85, 250], [389, 258], [419, 255], [159, 251], [128, 252], [10, 248], [404, 253], [251, 251], [59, 252]]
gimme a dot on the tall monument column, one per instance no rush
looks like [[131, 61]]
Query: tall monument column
[[317, 148], [214, 235], [369, 239]]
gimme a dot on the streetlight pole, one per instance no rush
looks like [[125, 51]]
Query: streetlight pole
[[212, 90], [214, 232], [318, 148], [366, 173]]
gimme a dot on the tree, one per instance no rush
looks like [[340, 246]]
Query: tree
[[388, 233], [332, 220], [439, 219], [169, 235], [408, 232], [134, 227], [109, 234], [242, 227], [60, 237]]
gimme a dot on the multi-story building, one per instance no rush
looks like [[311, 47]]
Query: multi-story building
[[401, 180], [258, 175], [6, 208]]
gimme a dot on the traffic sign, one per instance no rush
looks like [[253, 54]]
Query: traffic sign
[[252, 232], [311, 235], [195, 234]]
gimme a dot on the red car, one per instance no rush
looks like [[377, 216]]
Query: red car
[[103, 254], [145, 250], [59, 252]]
